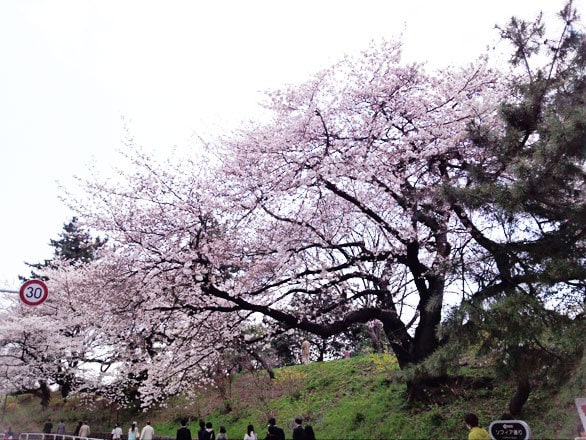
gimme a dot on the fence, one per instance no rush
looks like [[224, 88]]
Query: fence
[[43, 436], [95, 436]]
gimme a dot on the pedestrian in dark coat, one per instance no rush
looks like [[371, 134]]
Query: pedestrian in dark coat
[[183, 433], [309, 434], [201, 434], [272, 433], [298, 433], [278, 430]]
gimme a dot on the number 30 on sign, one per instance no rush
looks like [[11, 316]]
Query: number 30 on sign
[[33, 292]]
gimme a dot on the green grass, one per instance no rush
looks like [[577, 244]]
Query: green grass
[[358, 398]]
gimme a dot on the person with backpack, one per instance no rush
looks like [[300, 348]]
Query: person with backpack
[[278, 431], [272, 433], [222, 435]]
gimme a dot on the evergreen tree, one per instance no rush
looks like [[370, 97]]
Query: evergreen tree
[[74, 245], [529, 309]]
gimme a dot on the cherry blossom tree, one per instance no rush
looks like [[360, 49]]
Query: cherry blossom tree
[[328, 214], [342, 195], [59, 342], [38, 340], [375, 193]]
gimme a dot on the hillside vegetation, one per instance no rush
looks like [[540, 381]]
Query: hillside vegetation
[[357, 398]]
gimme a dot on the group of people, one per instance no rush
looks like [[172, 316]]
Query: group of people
[[206, 432], [274, 432], [147, 432], [82, 430], [60, 431], [299, 432]]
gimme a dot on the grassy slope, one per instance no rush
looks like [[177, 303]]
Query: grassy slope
[[358, 398]]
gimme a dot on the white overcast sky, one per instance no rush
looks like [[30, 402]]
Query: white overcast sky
[[71, 71]]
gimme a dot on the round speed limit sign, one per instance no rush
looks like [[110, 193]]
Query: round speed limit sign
[[33, 292]]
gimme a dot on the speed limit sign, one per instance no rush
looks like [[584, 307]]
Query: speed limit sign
[[33, 292]]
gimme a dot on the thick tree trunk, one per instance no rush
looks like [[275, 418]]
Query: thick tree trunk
[[520, 397], [412, 350], [264, 364], [66, 382], [44, 393], [414, 390], [322, 349]]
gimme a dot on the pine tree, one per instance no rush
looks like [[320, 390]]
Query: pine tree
[[529, 308], [74, 245]]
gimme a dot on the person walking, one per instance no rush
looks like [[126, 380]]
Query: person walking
[[476, 433], [209, 433], [84, 429], [117, 432], [183, 433], [308, 432], [222, 435], [278, 431], [148, 432], [202, 430], [298, 433], [272, 433], [250, 434], [133, 432], [60, 430], [77, 428], [47, 427]]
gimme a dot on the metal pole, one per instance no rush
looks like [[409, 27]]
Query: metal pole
[[9, 291]]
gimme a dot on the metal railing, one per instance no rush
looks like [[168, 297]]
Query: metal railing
[[43, 436], [53, 436]]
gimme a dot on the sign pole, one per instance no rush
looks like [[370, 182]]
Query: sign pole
[[581, 407]]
